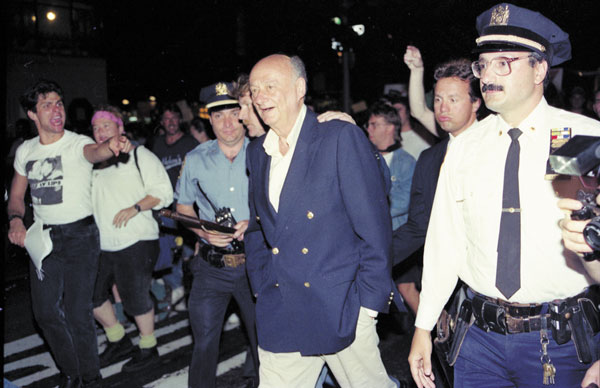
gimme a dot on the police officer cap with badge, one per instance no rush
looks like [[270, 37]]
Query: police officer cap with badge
[[218, 97], [506, 27]]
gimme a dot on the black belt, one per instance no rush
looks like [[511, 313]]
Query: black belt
[[220, 258], [89, 220], [503, 317]]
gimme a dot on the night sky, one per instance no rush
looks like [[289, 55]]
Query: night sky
[[172, 49]]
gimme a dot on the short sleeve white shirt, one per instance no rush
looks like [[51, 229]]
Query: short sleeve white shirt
[[59, 177]]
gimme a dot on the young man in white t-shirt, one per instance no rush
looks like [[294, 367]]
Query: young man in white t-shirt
[[57, 166]]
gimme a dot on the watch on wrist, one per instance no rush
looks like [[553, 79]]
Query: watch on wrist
[[138, 208]]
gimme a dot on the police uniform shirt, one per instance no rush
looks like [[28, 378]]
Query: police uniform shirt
[[224, 182], [462, 238]]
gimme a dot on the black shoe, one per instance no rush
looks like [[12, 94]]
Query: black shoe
[[69, 381], [93, 383], [251, 382], [116, 351], [143, 358]]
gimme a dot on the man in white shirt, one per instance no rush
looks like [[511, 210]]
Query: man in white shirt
[[57, 166], [456, 103], [513, 273]]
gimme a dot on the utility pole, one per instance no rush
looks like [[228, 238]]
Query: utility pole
[[346, 62], [346, 102]]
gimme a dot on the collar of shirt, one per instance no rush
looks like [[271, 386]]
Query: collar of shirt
[[271, 143], [214, 149], [530, 126], [451, 138]]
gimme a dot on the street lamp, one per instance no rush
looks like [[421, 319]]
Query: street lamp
[[51, 16]]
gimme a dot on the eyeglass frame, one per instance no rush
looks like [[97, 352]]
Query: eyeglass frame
[[508, 62], [376, 125]]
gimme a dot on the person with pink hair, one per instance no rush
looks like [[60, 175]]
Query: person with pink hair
[[125, 189]]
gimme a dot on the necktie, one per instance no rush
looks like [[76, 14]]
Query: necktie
[[508, 270]]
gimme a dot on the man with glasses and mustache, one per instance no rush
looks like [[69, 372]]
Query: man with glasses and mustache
[[530, 317]]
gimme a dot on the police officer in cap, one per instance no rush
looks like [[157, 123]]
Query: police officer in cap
[[530, 318], [213, 177]]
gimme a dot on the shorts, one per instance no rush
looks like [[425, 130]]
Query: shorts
[[131, 270]]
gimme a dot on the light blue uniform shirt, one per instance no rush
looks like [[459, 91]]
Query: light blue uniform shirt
[[224, 182]]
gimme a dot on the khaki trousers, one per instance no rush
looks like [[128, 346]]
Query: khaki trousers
[[357, 366]]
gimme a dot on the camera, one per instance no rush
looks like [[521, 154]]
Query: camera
[[577, 157], [591, 232]]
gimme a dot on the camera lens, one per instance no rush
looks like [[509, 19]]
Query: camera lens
[[591, 233]]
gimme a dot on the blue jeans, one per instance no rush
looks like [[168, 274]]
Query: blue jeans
[[496, 361], [62, 301], [211, 292]]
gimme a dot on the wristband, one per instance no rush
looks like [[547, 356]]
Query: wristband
[[13, 216]]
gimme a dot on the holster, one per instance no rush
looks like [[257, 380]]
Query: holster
[[464, 321], [444, 332], [576, 319], [212, 256], [446, 324], [581, 332], [453, 324]]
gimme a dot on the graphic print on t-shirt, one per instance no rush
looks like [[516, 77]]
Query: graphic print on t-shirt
[[45, 178], [171, 161]]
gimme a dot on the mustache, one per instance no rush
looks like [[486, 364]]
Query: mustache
[[491, 88]]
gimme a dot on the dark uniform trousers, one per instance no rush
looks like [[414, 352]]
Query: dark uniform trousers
[[212, 289], [492, 360]]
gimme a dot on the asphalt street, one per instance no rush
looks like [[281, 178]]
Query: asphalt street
[[27, 362]]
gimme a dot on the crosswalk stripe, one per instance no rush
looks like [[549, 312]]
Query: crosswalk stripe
[[46, 368], [180, 378]]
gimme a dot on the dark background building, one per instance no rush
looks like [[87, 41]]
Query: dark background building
[[115, 50]]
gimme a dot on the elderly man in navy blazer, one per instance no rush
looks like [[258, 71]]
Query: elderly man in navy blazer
[[319, 238]]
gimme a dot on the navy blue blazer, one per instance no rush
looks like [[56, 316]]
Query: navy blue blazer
[[326, 252], [409, 237]]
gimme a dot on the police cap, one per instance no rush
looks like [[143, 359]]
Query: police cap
[[218, 96], [506, 27]]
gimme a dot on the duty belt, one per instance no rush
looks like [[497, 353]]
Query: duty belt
[[503, 317], [219, 259], [507, 318]]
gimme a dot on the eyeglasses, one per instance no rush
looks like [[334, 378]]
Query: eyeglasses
[[499, 65], [375, 125]]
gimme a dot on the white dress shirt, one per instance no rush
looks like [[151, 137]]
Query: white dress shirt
[[280, 164], [463, 231]]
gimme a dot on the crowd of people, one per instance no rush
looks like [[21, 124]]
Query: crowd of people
[[315, 225]]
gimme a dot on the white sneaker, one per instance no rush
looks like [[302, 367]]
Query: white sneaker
[[177, 294], [233, 322]]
